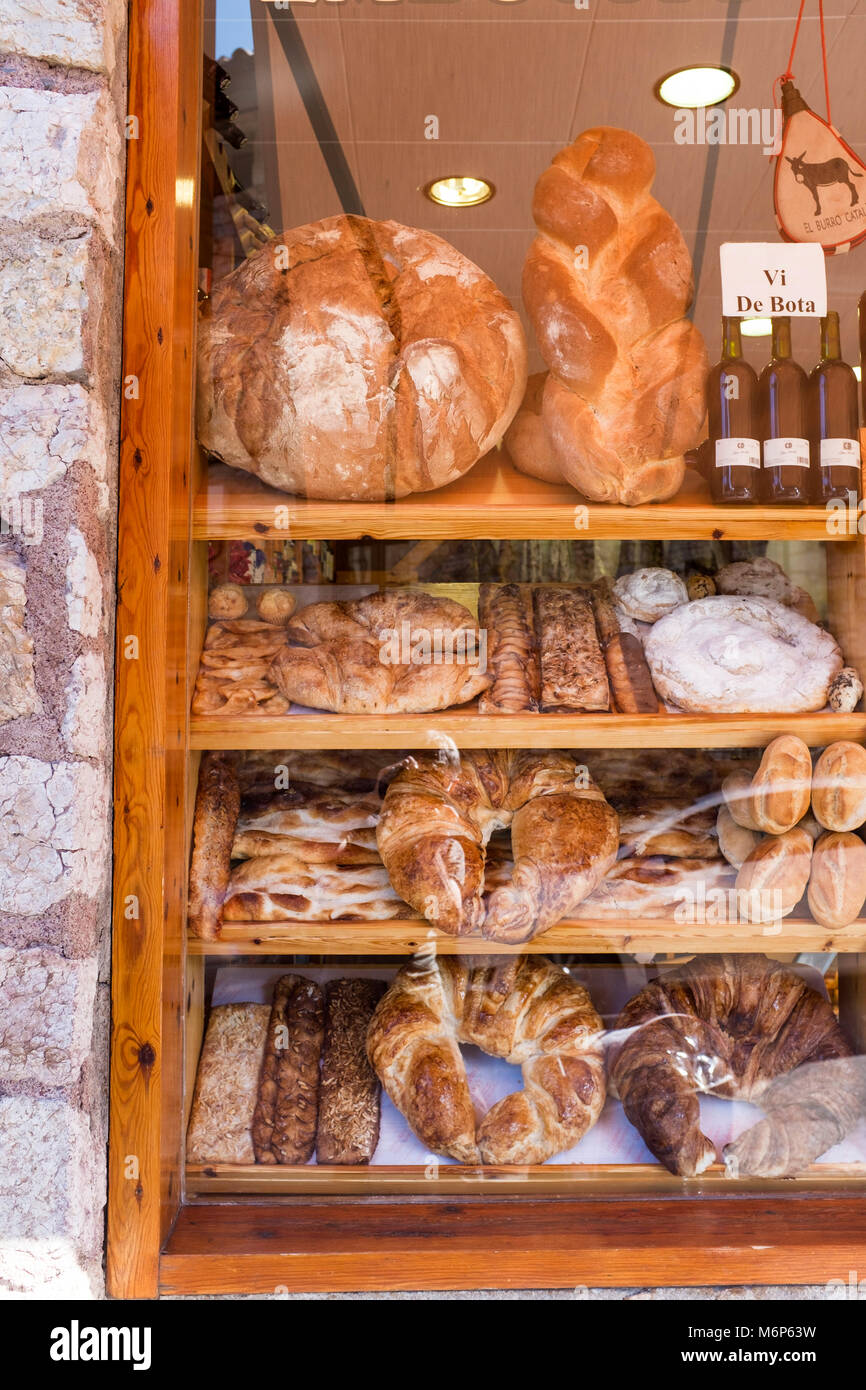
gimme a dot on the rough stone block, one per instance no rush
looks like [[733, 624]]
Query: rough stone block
[[45, 292], [44, 430], [18, 695], [52, 1191], [59, 153], [77, 33], [83, 587], [83, 728], [46, 1016], [53, 832]]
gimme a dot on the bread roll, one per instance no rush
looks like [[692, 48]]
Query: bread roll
[[774, 877], [357, 361], [735, 841], [226, 602], [846, 691], [839, 787], [837, 884], [275, 606], [764, 578], [648, 594], [782, 785]]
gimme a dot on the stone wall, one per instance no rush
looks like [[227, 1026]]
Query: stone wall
[[62, 81]]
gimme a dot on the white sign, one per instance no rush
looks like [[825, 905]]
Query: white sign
[[773, 279]]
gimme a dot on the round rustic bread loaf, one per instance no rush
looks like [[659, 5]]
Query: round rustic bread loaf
[[358, 361], [732, 654]]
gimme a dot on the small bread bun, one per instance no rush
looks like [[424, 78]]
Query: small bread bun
[[837, 884], [845, 691], [649, 594], [275, 606], [700, 586], [839, 787], [735, 841], [777, 797], [774, 877], [227, 601]]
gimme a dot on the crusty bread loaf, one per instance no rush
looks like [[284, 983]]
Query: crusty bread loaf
[[773, 879], [839, 786], [505, 613], [736, 841], [777, 797], [348, 1129], [765, 578], [217, 805], [606, 284], [357, 360], [837, 884], [523, 1009], [573, 671], [648, 594], [227, 1085]]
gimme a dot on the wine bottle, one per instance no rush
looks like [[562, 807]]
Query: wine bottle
[[834, 419], [732, 400], [862, 321], [783, 412]]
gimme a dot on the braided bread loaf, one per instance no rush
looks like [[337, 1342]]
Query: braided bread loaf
[[524, 1009], [606, 285]]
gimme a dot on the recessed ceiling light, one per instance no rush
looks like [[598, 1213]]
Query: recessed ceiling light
[[458, 191], [699, 86], [756, 328]]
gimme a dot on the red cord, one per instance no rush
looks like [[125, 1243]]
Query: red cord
[[788, 74]]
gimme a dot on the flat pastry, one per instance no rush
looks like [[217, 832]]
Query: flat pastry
[[349, 1097], [505, 613], [655, 887], [329, 827], [233, 670], [227, 1085], [283, 888], [573, 674]]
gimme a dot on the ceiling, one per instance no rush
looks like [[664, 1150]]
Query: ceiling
[[510, 84]]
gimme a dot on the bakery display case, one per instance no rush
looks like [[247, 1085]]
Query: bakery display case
[[490, 884]]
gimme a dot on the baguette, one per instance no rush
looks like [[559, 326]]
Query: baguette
[[349, 1100]]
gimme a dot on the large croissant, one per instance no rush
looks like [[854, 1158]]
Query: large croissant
[[440, 811], [606, 284], [723, 1025], [524, 1009], [806, 1112]]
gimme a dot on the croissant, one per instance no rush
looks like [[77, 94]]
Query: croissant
[[606, 285], [806, 1113], [723, 1025], [524, 1009], [440, 811]]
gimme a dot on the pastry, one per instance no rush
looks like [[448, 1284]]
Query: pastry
[[765, 578], [227, 1085], [777, 797], [424, 361], [284, 888], [729, 654], [839, 787], [217, 805], [653, 886], [773, 878], [807, 1111], [721, 1025], [275, 606], [607, 283], [234, 670], [505, 614], [523, 1009], [325, 827], [665, 827], [627, 672], [845, 691], [348, 1129], [287, 1109], [439, 813], [398, 652], [226, 601], [648, 594], [573, 673], [837, 884]]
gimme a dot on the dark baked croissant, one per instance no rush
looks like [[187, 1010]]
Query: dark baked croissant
[[723, 1025]]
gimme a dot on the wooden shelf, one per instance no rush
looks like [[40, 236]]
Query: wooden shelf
[[494, 502], [449, 1179], [402, 937], [466, 728]]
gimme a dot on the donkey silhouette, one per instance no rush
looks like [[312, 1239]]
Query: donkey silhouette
[[816, 176]]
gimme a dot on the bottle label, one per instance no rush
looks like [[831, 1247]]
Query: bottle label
[[786, 453], [743, 452], [840, 453]]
